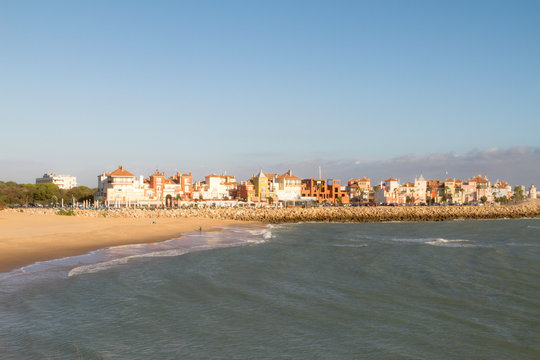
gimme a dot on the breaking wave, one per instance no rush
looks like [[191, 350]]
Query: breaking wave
[[438, 242], [122, 255]]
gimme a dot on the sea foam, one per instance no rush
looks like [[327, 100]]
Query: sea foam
[[437, 242]]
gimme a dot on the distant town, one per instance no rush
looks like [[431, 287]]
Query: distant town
[[121, 188]]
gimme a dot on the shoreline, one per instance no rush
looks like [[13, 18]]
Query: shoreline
[[28, 238]]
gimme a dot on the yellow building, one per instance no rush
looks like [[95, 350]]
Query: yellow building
[[260, 182]]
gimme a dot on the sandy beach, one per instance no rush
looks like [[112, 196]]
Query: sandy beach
[[26, 238], [31, 235]]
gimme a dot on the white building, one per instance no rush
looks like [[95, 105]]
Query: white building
[[420, 188], [121, 188], [287, 187], [218, 187], [63, 181], [532, 192]]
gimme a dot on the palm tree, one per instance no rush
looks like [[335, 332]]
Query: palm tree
[[446, 189], [430, 189]]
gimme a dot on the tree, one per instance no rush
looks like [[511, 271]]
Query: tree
[[45, 192], [483, 199], [518, 193], [270, 200]]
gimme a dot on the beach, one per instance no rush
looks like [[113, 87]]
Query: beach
[[31, 235], [27, 237]]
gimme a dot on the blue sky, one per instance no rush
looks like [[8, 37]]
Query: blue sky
[[237, 86]]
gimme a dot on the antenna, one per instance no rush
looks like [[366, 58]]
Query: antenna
[[320, 176]]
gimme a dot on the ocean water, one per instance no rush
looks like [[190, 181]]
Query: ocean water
[[435, 290]]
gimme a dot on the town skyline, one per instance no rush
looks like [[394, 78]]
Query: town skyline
[[515, 165]]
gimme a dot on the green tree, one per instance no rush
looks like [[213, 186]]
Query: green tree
[[483, 199], [45, 192], [518, 193]]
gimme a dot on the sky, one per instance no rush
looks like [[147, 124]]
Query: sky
[[360, 88]]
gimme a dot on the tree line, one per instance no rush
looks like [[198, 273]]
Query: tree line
[[13, 193]]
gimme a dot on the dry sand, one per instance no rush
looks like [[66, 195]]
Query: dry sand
[[27, 238]]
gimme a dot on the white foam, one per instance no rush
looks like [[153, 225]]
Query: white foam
[[92, 268], [449, 243], [350, 245], [438, 242], [107, 258]]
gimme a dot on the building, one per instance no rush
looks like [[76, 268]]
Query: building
[[314, 189], [217, 187], [320, 190], [287, 187], [261, 186], [532, 192], [501, 189], [420, 188], [390, 192], [121, 188], [169, 190], [65, 182], [476, 188], [360, 190], [246, 192]]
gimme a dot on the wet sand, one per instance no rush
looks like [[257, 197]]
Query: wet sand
[[27, 237]]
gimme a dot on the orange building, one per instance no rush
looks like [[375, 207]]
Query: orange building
[[177, 187], [323, 190], [246, 191]]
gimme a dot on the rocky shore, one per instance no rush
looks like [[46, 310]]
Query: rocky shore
[[526, 209]]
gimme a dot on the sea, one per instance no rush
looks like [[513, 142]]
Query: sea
[[465, 289]]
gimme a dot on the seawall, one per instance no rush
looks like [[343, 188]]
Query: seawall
[[526, 209]]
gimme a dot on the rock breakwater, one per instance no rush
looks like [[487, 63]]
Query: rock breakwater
[[529, 208]]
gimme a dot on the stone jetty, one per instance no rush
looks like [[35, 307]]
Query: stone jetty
[[526, 209]]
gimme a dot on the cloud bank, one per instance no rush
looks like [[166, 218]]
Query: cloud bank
[[517, 165]]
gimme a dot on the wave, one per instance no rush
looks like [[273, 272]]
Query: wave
[[106, 258], [450, 243], [437, 242], [265, 233], [93, 268], [350, 245], [210, 241]]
